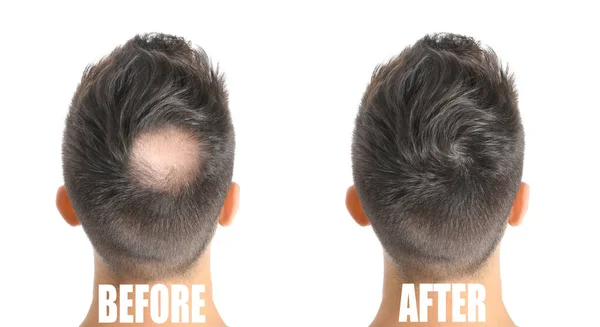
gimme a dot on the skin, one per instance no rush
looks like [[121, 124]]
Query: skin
[[200, 273], [489, 277]]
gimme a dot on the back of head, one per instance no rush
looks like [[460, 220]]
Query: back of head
[[148, 155], [437, 156]]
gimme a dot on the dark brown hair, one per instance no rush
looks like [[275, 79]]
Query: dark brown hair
[[437, 155], [151, 83]]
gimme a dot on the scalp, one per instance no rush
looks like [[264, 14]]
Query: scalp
[[166, 159]]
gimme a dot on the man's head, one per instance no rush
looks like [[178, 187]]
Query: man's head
[[148, 155], [437, 157]]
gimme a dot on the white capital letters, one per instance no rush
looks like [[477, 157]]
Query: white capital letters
[[179, 299], [457, 303], [107, 308], [197, 303], [442, 290], [424, 301], [140, 301], [476, 305], [160, 293], [408, 305]]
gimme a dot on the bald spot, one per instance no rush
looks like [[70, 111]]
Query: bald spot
[[167, 159]]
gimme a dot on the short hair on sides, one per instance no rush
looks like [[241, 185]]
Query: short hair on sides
[[148, 153], [437, 155]]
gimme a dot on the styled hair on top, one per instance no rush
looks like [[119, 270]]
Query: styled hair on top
[[437, 156], [148, 155]]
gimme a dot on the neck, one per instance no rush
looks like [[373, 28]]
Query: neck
[[200, 275], [495, 311]]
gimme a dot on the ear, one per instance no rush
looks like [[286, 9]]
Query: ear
[[520, 205], [63, 204], [230, 206], [354, 207]]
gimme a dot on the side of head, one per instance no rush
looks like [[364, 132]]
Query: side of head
[[437, 157], [148, 154]]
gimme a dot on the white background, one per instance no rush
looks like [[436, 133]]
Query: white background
[[296, 73]]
